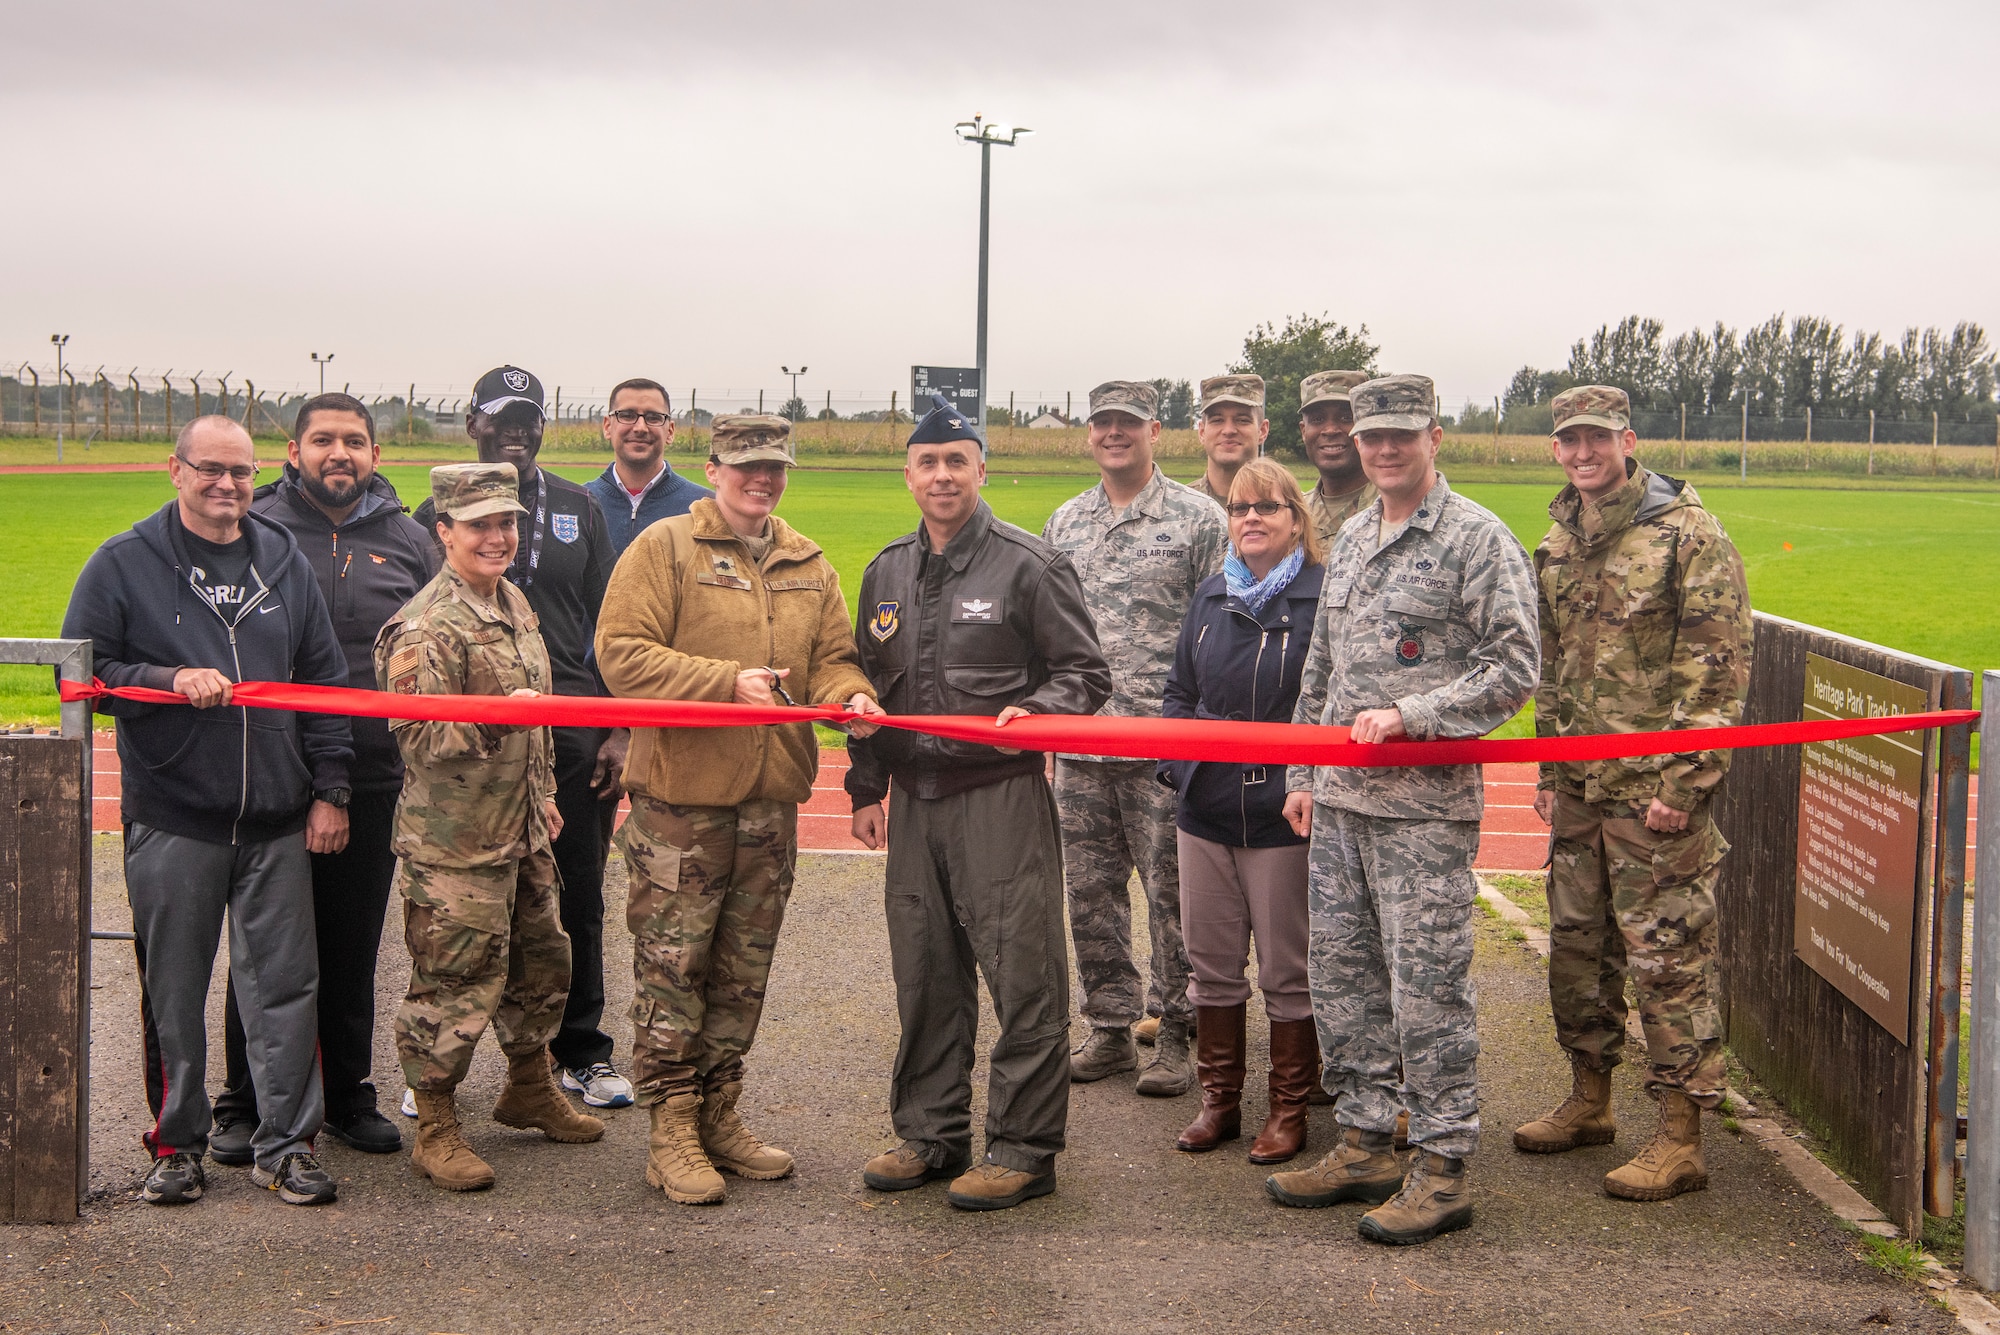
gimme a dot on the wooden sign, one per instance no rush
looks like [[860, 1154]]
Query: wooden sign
[[1859, 831]]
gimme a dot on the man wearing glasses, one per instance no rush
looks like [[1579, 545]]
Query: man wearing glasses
[[221, 805], [640, 487]]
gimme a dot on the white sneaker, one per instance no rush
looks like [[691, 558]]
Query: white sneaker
[[409, 1103], [600, 1085]]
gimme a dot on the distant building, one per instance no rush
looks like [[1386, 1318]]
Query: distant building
[[1048, 420]]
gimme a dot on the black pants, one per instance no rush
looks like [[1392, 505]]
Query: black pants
[[350, 897], [580, 854]]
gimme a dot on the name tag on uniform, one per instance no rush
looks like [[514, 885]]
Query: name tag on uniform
[[976, 609], [723, 581]]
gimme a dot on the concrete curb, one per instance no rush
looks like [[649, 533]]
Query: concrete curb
[[1975, 1312]]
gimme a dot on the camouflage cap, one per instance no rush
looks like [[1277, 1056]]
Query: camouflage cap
[[1244, 389], [1329, 386], [1394, 403], [748, 438], [473, 491], [1126, 396], [1592, 405]]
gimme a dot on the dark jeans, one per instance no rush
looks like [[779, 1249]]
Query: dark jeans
[[350, 897], [580, 854]]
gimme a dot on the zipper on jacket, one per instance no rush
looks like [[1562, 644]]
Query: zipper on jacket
[[235, 658], [1242, 801]]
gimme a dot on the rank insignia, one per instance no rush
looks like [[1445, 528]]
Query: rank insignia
[[565, 528], [725, 565], [1409, 644], [888, 618]]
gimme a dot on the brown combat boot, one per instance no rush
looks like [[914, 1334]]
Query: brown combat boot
[[992, 1186], [729, 1144], [1584, 1118], [533, 1101], [675, 1162], [1671, 1162], [1146, 1030], [1218, 1063], [1433, 1200], [441, 1153], [1362, 1167], [1294, 1061]]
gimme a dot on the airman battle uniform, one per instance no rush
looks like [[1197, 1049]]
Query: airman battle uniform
[[1139, 567], [1645, 626], [477, 877], [712, 842], [1433, 617], [974, 880]]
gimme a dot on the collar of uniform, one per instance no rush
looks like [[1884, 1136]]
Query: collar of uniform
[[1146, 503], [1431, 508], [786, 541], [958, 552], [508, 605], [1319, 490]]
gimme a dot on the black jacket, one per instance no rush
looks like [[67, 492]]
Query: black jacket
[[997, 619], [366, 570], [568, 583], [228, 775], [1230, 664]]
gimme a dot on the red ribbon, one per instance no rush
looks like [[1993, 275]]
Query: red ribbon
[[1137, 738]]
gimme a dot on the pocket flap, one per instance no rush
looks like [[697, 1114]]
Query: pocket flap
[[1337, 592], [999, 680], [1419, 603]]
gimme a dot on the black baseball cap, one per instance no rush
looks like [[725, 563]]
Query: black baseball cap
[[507, 384]]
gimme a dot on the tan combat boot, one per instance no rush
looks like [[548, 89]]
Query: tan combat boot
[[730, 1145], [441, 1153], [1362, 1167], [1146, 1030], [1671, 1162], [1433, 1200], [1584, 1118], [674, 1159], [533, 1101]]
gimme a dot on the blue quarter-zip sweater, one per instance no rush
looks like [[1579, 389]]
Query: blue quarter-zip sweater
[[228, 775]]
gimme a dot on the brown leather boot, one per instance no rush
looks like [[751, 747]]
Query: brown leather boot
[[1433, 1201], [1362, 1167], [441, 1153], [533, 1101], [1584, 1118], [1218, 1062], [730, 1145], [1294, 1059], [1671, 1162], [675, 1162]]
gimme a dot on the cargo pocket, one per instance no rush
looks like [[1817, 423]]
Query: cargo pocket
[[451, 946], [1688, 855]]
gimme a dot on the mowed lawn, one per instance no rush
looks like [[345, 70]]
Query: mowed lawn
[[1918, 571]]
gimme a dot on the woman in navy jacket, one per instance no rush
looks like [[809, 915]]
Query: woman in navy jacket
[[1243, 870]]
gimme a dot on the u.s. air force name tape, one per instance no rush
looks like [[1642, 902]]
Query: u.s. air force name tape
[[1134, 738]]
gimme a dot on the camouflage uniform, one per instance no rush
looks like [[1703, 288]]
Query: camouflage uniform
[[477, 877], [1139, 569], [1437, 622], [1645, 625], [1244, 389]]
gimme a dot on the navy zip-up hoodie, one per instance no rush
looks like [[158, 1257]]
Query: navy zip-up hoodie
[[1232, 664], [228, 775]]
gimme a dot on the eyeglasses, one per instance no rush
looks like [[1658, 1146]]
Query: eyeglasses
[[630, 415], [216, 472], [1237, 509]]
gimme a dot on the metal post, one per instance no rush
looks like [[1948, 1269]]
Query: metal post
[[1743, 450], [62, 341], [133, 376], [1871, 442], [1982, 1142], [1954, 761], [985, 208]]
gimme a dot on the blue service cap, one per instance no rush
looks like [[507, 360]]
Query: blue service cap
[[944, 422]]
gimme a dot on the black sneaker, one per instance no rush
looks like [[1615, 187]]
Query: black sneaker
[[299, 1180], [229, 1142], [366, 1130], [174, 1179]]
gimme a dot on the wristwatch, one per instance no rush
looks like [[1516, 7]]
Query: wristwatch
[[333, 797]]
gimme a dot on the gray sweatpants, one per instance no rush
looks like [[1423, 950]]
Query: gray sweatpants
[[179, 889], [975, 882]]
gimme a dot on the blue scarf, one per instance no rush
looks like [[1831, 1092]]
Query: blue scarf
[[1255, 592]]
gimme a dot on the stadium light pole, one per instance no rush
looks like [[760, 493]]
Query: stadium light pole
[[61, 341], [321, 362], [795, 380], [986, 134]]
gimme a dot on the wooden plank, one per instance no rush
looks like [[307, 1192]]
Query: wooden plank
[[44, 853], [1847, 1079]]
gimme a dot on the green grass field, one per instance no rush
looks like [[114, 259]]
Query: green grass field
[[1919, 571]]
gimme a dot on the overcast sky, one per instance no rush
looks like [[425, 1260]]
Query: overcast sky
[[701, 193]]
